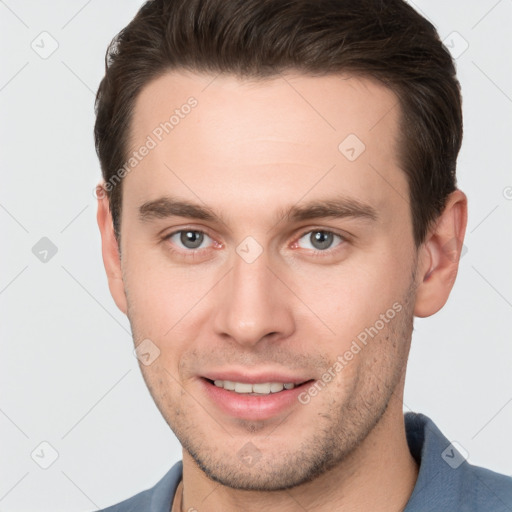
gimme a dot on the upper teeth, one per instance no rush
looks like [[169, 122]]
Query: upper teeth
[[264, 388]]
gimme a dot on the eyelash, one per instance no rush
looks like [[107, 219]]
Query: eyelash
[[316, 253], [186, 253]]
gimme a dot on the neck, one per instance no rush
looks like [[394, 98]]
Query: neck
[[379, 474]]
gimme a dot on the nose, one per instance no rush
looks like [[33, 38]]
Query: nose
[[254, 303]]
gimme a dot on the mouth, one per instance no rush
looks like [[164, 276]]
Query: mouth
[[254, 401], [256, 389]]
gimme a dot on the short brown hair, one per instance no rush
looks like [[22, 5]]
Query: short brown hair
[[382, 39]]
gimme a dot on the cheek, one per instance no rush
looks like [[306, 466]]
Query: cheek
[[157, 294], [150, 309], [162, 381], [351, 298]]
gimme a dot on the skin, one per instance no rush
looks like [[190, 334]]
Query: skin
[[249, 151]]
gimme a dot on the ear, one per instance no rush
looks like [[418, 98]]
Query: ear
[[439, 256], [110, 249]]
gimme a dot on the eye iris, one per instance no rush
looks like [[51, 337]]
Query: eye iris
[[321, 239], [191, 239]]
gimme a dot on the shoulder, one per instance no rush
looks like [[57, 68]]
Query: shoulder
[[446, 480], [486, 490], [156, 499]]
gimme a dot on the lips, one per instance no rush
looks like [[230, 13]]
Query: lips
[[262, 388], [253, 397], [255, 378]]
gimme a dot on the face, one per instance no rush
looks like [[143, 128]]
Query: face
[[266, 239]]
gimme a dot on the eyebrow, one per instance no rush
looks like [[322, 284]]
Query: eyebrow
[[339, 207]]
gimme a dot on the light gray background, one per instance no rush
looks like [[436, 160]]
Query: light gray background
[[68, 375]]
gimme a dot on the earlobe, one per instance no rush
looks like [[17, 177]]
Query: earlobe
[[439, 257], [110, 249]]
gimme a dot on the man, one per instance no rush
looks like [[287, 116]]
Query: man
[[279, 201]]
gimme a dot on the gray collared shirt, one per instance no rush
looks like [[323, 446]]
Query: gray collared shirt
[[446, 481]]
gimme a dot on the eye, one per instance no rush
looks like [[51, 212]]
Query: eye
[[189, 238], [319, 239]]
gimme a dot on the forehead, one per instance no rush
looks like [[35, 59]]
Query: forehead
[[292, 106], [292, 135]]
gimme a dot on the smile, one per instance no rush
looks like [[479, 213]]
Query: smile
[[264, 388], [253, 400]]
